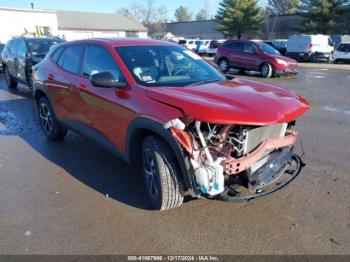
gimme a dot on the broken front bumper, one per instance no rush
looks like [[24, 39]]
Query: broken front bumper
[[234, 166], [271, 177]]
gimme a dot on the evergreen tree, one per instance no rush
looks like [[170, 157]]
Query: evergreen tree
[[236, 17], [323, 16]]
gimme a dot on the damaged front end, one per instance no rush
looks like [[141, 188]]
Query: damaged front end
[[237, 162]]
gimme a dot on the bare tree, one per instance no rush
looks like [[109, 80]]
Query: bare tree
[[147, 15], [283, 7], [150, 15], [182, 14], [203, 13]]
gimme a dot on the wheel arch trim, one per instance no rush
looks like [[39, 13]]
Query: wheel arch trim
[[153, 127]]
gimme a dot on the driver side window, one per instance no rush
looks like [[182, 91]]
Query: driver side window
[[98, 60], [22, 49]]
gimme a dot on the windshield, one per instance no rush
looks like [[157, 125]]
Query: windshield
[[40, 47], [167, 66], [267, 49], [344, 48]]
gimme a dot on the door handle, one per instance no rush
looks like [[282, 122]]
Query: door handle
[[50, 77]]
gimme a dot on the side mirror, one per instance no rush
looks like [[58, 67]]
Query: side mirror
[[106, 79]]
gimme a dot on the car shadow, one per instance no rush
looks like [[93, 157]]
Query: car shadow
[[82, 159], [235, 72]]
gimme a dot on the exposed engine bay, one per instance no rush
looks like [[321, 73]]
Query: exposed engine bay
[[236, 162]]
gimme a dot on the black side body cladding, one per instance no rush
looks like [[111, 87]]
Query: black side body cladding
[[141, 126]]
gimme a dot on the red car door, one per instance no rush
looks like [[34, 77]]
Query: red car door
[[251, 56], [236, 55], [104, 107], [63, 85]]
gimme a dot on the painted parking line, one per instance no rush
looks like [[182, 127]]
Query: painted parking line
[[336, 110]]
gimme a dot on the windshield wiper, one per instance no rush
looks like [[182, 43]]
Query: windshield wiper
[[205, 81]]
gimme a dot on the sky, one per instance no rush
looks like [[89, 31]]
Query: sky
[[110, 6]]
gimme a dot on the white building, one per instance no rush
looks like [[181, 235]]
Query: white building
[[68, 24], [17, 22]]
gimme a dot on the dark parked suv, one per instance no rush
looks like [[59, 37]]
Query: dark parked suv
[[257, 56], [20, 54]]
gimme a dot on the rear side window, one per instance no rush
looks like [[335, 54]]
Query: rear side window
[[182, 42], [214, 44], [72, 58], [97, 60], [235, 46], [21, 49], [13, 46], [57, 54], [344, 48]]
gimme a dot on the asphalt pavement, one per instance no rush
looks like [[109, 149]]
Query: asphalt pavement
[[73, 197]]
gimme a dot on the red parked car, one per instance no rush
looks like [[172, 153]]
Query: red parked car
[[256, 56], [174, 116]]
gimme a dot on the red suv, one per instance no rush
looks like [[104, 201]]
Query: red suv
[[163, 108], [256, 56]]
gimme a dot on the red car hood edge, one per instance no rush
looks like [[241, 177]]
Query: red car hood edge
[[238, 101]]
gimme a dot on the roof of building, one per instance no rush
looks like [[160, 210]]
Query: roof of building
[[162, 34], [11, 9], [71, 20]]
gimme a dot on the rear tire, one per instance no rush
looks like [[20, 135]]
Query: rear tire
[[266, 70], [330, 58], [313, 58], [48, 121], [10, 82], [224, 65], [163, 183]]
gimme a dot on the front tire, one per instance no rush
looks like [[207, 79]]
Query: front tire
[[163, 183], [10, 82], [266, 70], [48, 121]]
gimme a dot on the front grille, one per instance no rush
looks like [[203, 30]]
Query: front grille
[[257, 135]]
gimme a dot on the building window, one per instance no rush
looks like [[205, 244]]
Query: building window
[[131, 34]]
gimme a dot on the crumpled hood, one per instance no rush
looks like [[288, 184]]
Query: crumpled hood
[[239, 101]]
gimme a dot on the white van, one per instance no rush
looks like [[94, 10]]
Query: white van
[[189, 43], [203, 49], [213, 46], [310, 47]]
